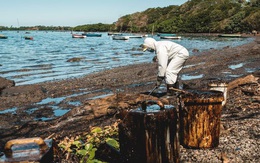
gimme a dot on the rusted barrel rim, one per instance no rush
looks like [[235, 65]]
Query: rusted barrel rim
[[202, 96]]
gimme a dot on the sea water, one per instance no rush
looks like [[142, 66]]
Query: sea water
[[46, 57]]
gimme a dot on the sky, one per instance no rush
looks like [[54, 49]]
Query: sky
[[72, 12]]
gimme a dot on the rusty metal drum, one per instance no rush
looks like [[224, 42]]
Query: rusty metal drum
[[149, 134], [199, 117]]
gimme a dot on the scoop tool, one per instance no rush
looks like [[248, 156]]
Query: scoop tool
[[180, 90], [153, 90]]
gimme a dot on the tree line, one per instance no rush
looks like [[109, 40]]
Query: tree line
[[40, 27], [194, 16]]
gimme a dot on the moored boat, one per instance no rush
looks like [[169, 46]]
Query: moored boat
[[3, 37], [120, 37], [229, 35], [114, 34], [92, 34], [135, 36], [170, 37], [28, 37], [165, 34], [78, 36]]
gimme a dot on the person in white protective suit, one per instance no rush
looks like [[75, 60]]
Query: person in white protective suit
[[171, 58]]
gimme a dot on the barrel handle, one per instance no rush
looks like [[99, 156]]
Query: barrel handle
[[36, 140], [144, 104]]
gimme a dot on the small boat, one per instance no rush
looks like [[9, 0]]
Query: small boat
[[3, 37], [120, 37], [92, 34], [170, 37], [28, 37], [165, 34], [135, 36], [114, 34], [229, 35], [78, 36]]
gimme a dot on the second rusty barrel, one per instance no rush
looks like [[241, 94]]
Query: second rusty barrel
[[199, 117]]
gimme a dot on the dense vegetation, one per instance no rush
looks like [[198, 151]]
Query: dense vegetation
[[94, 27], [229, 16], [194, 16]]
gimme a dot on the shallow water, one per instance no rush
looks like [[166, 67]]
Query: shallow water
[[45, 58]]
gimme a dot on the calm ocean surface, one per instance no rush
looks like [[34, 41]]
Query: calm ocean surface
[[45, 58]]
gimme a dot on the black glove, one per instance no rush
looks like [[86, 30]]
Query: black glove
[[159, 81], [155, 59]]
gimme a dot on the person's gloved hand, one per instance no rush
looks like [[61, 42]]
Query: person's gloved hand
[[155, 59], [159, 81]]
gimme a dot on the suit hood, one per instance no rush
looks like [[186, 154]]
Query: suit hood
[[150, 43]]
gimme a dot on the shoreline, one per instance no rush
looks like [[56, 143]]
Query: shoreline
[[135, 80], [43, 71]]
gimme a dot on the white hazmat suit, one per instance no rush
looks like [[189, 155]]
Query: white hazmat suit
[[171, 58]]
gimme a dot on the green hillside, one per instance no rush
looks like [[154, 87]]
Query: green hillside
[[194, 16], [229, 16]]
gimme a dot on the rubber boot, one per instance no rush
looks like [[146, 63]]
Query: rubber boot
[[176, 85], [171, 92]]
